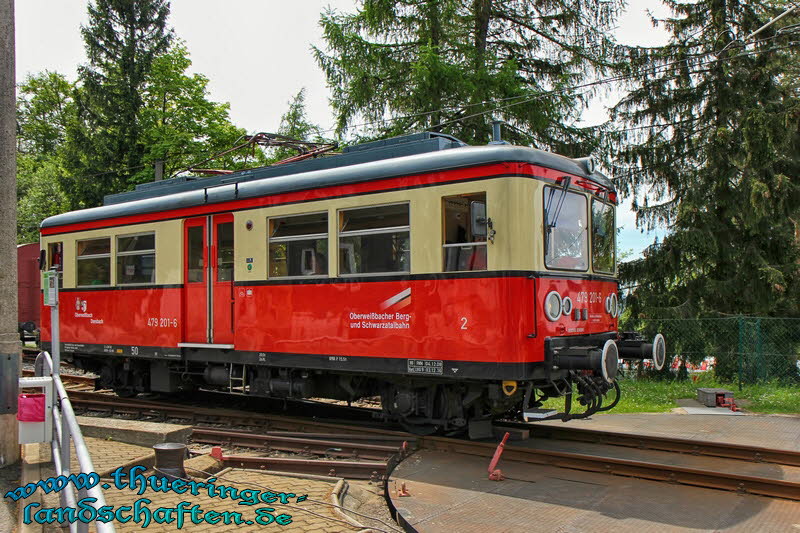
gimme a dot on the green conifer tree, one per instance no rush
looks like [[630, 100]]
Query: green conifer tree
[[104, 146], [413, 65], [708, 147]]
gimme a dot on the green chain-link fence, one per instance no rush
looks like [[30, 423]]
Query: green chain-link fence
[[741, 349]]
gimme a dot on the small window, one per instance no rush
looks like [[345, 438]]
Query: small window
[[298, 246], [225, 251], [464, 232], [136, 259], [196, 249], [374, 240], [94, 262], [603, 249], [566, 230], [55, 260]]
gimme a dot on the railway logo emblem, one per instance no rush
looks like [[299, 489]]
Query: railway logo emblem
[[398, 301], [80, 305]]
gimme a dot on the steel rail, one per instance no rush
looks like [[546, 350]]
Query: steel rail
[[372, 470], [66, 378], [743, 452], [776, 488], [270, 441], [374, 438]]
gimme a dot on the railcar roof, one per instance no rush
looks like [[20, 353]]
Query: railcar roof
[[402, 156]]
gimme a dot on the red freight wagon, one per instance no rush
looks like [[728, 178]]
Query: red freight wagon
[[457, 283], [28, 288]]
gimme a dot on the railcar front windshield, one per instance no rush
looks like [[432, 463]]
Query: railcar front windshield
[[603, 249], [566, 230]]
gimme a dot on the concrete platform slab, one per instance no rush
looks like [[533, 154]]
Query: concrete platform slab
[[693, 407], [134, 432], [451, 492], [780, 432], [708, 411]]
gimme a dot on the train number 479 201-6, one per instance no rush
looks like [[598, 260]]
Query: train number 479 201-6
[[158, 322]]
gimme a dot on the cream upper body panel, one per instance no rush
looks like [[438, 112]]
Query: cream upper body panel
[[169, 249], [514, 205]]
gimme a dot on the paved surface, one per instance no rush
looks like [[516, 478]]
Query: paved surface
[[107, 455], [451, 493], [9, 479], [779, 432], [308, 516]]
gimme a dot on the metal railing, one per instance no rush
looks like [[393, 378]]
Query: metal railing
[[67, 432]]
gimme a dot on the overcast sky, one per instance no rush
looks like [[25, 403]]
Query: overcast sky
[[257, 56]]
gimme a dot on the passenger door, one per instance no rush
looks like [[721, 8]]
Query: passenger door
[[208, 282]]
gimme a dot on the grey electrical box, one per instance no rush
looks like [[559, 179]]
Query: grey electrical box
[[708, 397]]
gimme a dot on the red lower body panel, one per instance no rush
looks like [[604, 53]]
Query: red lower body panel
[[497, 319]]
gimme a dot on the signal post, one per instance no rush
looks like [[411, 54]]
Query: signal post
[[9, 338]]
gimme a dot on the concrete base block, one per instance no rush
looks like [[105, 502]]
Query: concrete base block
[[514, 433], [202, 466], [133, 431]]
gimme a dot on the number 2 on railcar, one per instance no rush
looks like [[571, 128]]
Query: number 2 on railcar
[[457, 283]]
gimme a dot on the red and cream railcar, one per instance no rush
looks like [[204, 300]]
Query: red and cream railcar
[[456, 282]]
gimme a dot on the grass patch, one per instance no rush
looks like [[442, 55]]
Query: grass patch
[[654, 396]]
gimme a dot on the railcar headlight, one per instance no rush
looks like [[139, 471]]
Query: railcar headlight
[[608, 304], [613, 304], [552, 306], [566, 306]]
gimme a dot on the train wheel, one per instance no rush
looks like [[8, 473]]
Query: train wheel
[[125, 392], [421, 428], [425, 410]]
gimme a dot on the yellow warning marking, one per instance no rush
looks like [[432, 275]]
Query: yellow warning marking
[[509, 388]]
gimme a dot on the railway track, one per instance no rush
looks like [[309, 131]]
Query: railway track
[[71, 382], [733, 467], [756, 454], [725, 474], [196, 415]]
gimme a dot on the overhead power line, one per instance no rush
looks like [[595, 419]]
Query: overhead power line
[[526, 98], [771, 22]]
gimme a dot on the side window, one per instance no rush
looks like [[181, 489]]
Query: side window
[[94, 262], [136, 259], [225, 251], [298, 246], [374, 240], [603, 249], [464, 232], [566, 230], [55, 259], [196, 249]]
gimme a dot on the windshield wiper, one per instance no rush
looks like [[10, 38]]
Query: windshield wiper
[[552, 219], [552, 223]]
